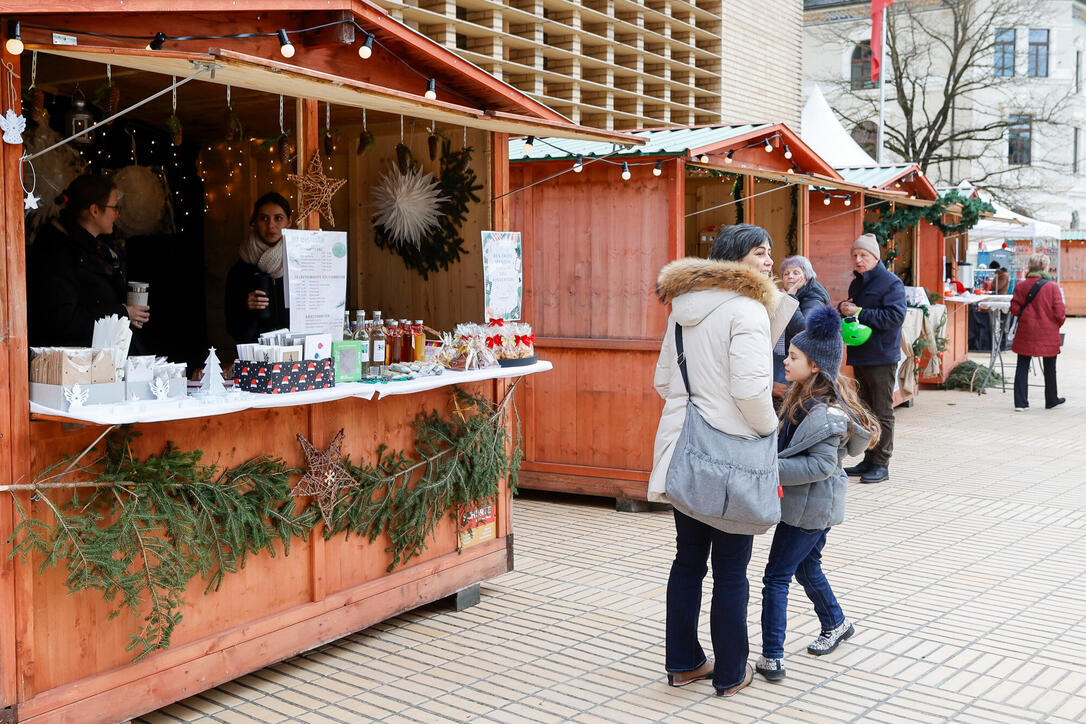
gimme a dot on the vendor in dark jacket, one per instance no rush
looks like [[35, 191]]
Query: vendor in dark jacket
[[255, 294], [877, 297], [74, 275]]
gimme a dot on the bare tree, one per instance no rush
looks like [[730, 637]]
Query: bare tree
[[946, 107]]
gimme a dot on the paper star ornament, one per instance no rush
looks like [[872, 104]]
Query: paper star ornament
[[13, 125], [325, 476], [316, 190], [31, 201]]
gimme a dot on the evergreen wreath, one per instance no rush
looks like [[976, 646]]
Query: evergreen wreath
[[443, 245], [140, 530], [897, 218]]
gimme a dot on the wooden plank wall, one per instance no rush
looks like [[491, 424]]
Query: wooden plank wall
[[1073, 276], [830, 233], [704, 196], [773, 212]]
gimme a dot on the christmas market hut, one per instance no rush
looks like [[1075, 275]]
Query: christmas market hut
[[1073, 270], [599, 222], [165, 536]]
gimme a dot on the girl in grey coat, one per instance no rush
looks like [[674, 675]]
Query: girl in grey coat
[[822, 419]]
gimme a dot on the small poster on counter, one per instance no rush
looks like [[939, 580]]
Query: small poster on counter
[[476, 524], [316, 280], [503, 274]]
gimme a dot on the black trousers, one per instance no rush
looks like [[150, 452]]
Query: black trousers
[[876, 383], [1021, 381]]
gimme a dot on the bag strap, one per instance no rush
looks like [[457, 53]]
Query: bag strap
[[1032, 293], [681, 356]]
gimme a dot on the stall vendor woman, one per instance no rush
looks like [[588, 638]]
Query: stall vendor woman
[[255, 295], [74, 275]]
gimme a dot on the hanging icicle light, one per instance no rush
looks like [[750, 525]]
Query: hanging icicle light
[[529, 144], [626, 171], [285, 46], [366, 49], [15, 38], [431, 89], [658, 168], [578, 166]]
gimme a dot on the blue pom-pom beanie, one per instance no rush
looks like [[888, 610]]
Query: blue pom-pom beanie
[[821, 340]]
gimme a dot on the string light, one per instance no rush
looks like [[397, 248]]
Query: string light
[[626, 171], [826, 200], [787, 152], [704, 158], [285, 46], [431, 89], [579, 165], [658, 168], [728, 158], [14, 44], [848, 200], [157, 42], [366, 49], [529, 144], [768, 146]]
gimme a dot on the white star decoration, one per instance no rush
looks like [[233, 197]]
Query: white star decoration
[[13, 126], [31, 201]]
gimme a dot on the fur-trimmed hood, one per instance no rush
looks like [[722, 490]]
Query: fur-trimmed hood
[[694, 275]]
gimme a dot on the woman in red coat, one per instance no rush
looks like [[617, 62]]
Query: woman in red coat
[[1038, 332]]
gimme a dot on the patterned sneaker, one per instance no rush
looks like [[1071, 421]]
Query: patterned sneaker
[[827, 640], [771, 669]]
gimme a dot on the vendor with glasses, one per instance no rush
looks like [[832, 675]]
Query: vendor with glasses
[[75, 276]]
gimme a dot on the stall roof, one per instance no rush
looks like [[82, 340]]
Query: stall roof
[[880, 177], [245, 71], [1074, 235], [657, 142]]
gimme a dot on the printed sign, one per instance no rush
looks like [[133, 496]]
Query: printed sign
[[503, 275], [316, 280], [476, 524]]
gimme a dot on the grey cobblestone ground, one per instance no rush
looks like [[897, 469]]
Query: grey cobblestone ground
[[965, 575]]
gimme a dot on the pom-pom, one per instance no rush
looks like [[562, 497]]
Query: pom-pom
[[824, 323]]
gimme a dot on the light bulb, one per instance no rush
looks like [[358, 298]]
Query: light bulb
[[787, 152], [826, 200], [157, 42], [626, 171], [728, 158], [768, 146], [366, 49], [848, 201], [579, 166], [704, 158], [431, 89], [529, 144], [658, 168], [285, 47], [15, 38]]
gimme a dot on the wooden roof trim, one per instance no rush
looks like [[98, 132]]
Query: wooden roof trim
[[795, 143]]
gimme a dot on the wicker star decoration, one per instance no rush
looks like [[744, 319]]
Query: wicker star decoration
[[316, 190], [325, 476]]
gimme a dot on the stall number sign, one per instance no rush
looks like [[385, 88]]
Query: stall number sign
[[503, 274], [476, 524]]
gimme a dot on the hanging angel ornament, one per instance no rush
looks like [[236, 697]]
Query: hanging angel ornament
[[13, 126], [160, 388]]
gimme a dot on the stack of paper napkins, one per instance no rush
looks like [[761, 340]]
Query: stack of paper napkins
[[113, 333]]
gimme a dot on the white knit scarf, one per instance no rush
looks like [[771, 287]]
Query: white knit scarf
[[267, 257]]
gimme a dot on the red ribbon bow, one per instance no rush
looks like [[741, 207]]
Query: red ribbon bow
[[495, 341], [464, 338], [496, 322], [525, 339]]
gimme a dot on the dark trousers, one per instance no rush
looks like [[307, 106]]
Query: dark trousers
[[1021, 381], [795, 552], [694, 541], [876, 384]]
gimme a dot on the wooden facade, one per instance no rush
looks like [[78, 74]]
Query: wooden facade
[[61, 658], [1073, 275]]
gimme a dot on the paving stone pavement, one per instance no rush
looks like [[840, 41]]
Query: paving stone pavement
[[964, 574]]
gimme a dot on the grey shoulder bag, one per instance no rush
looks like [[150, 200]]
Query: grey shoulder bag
[[1012, 323], [728, 482]]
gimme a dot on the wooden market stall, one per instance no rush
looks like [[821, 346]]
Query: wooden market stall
[[1073, 271], [600, 223], [208, 605]]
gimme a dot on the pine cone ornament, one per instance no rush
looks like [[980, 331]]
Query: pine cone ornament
[[284, 149], [403, 158], [331, 141], [433, 145], [365, 140]]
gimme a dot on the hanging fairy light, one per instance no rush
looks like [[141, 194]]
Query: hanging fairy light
[[826, 199], [768, 146], [704, 158], [578, 166], [431, 89], [848, 200], [366, 49], [626, 171], [529, 144], [14, 44], [787, 152], [658, 168], [286, 49], [728, 158]]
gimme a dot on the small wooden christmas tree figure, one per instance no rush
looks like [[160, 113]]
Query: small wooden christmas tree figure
[[212, 383]]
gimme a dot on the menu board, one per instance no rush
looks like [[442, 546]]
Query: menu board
[[503, 274], [316, 280]]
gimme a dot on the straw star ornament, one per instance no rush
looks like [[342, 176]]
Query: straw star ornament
[[316, 190], [325, 476]]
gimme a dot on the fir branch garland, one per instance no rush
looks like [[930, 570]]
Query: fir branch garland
[[142, 529], [895, 219]]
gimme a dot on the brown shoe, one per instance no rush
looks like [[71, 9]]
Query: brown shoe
[[682, 678], [741, 685]]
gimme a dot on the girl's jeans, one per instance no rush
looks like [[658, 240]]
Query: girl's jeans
[[798, 552], [728, 613]]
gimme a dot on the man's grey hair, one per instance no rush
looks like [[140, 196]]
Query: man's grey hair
[[735, 242], [802, 262]]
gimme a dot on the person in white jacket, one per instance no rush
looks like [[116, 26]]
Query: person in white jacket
[[731, 313]]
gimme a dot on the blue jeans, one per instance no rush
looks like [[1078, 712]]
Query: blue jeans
[[728, 613], [798, 552]]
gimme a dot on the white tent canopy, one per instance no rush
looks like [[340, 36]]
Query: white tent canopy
[[829, 139], [1009, 225]]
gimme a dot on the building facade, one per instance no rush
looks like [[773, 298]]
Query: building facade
[[1030, 76], [625, 64]]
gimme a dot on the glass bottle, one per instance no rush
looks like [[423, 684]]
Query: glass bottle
[[363, 338], [377, 346], [395, 342], [408, 339], [359, 323], [420, 341], [347, 332]]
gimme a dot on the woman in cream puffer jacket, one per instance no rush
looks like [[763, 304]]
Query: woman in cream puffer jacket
[[731, 314]]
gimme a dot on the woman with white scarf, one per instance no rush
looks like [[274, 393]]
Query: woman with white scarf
[[255, 298]]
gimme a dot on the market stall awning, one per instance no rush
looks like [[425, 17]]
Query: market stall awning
[[260, 74], [1006, 224], [880, 177]]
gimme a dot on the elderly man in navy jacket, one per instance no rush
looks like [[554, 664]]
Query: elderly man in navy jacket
[[877, 296]]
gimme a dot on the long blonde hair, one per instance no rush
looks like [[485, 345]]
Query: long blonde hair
[[819, 388]]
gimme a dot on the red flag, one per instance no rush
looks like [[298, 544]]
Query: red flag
[[877, 6]]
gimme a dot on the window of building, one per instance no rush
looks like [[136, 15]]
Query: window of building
[[861, 66], [1038, 53], [1004, 51], [461, 13], [1020, 139], [461, 41], [865, 134], [1075, 151]]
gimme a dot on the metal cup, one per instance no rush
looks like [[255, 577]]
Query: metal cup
[[137, 293]]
